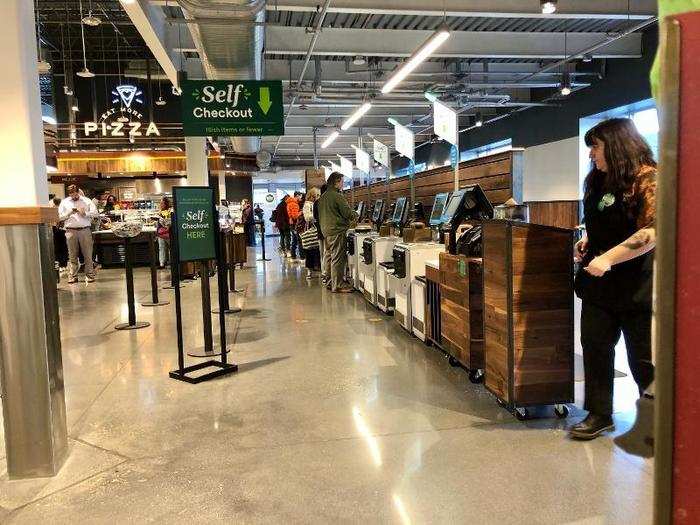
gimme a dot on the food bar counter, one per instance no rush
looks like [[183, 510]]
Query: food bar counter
[[110, 249]]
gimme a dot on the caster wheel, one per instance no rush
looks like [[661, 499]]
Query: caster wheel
[[476, 376], [561, 411], [453, 361], [428, 343], [521, 414]]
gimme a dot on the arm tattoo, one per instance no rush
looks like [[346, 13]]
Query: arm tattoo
[[639, 240]]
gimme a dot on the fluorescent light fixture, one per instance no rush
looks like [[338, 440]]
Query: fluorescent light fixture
[[330, 139], [431, 96], [548, 6], [565, 85], [364, 108], [393, 122], [479, 120], [424, 51]]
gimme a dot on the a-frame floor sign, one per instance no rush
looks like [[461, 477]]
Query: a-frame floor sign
[[195, 238]]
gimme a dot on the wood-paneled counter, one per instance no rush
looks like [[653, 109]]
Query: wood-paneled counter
[[461, 309], [528, 313]]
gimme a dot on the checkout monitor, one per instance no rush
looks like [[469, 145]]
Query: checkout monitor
[[360, 210], [438, 209], [378, 213], [400, 212], [468, 203]]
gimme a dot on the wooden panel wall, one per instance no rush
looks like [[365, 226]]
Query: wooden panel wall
[[561, 214], [128, 162], [494, 173]]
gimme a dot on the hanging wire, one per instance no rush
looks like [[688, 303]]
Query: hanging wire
[[82, 34]]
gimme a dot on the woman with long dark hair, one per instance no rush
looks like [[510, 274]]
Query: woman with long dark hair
[[615, 279]]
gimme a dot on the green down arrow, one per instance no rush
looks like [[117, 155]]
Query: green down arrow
[[264, 101]]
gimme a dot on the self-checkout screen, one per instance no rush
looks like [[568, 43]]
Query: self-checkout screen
[[398, 210], [438, 208], [452, 206], [377, 213]]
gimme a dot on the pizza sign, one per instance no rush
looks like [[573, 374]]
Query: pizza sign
[[123, 119]]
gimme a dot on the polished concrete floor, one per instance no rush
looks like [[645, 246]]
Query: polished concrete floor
[[336, 415]]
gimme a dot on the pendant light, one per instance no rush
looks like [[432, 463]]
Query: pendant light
[[565, 87], [549, 7], [161, 100], [90, 19], [85, 72]]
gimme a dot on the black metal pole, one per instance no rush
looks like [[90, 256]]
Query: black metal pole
[[223, 293], [262, 239], [223, 262], [174, 275], [129, 267], [154, 273], [206, 306], [175, 271]]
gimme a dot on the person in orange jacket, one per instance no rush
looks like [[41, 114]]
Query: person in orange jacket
[[293, 212]]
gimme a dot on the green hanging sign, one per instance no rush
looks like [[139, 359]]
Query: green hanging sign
[[194, 223], [232, 107]]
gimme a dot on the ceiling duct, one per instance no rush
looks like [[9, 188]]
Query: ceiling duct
[[229, 52]]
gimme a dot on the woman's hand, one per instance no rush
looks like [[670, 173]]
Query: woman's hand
[[580, 249], [599, 266]]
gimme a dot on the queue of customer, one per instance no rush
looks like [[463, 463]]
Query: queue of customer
[[318, 232]]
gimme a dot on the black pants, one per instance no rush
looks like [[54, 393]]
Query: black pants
[[600, 332]]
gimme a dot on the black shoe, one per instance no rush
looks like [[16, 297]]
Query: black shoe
[[592, 427]]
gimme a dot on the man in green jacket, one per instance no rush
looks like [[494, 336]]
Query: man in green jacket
[[335, 216]]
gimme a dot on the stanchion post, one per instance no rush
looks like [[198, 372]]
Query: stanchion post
[[262, 239], [206, 307], [129, 270], [154, 273], [223, 263]]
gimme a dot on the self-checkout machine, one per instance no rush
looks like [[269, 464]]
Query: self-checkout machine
[[461, 279], [355, 238], [419, 285], [366, 269], [383, 256], [409, 260]]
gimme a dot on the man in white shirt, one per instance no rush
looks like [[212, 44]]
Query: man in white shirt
[[77, 213]]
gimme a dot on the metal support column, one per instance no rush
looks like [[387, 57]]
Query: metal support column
[[31, 368]]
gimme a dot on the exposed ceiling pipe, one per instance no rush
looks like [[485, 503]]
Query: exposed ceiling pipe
[[244, 60], [224, 8], [312, 44]]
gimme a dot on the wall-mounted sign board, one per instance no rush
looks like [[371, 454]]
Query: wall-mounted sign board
[[232, 107], [194, 221]]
